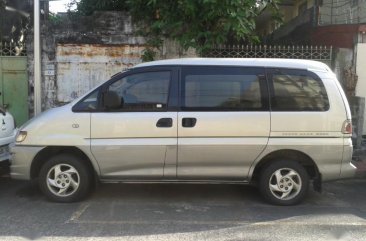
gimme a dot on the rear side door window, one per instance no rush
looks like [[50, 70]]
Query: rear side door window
[[297, 90]]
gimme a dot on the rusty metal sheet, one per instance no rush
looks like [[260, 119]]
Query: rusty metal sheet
[[81, 67]]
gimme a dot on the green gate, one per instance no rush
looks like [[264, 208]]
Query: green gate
[[14, 84]]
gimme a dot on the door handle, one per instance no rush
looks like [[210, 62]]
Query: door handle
[[164, 122], [189, 122]]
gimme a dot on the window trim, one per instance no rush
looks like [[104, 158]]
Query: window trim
[[201, 68]]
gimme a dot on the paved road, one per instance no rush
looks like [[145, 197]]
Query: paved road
[[182, 212]]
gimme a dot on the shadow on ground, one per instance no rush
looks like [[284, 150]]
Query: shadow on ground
[[117, 210]]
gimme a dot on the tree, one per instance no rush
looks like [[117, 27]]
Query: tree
[[200, 24], [87, 7], [14, 20], [2, 5]]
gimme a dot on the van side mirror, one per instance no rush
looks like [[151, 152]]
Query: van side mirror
[[111, 100]]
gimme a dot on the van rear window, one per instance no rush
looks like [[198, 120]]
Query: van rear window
[[297, 91]]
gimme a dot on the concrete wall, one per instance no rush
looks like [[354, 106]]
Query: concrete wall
[[343, 58], [361, 72], [81, 67], [342, 12], [79, 53]]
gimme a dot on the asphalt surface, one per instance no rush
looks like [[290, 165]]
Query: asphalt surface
[[182, 212]]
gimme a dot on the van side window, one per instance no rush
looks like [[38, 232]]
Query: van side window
[[221, 89], [298, 90], [88, 104], [143, 91]]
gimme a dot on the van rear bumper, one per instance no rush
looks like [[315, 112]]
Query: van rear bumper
[[348, 169]]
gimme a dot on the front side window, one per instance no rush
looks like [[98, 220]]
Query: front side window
[[89, 103], [143, 91], [297, 90], [221, 89]]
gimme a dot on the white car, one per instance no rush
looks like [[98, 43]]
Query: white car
[[7, 134]]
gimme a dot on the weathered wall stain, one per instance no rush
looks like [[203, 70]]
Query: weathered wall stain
[[80, 67], [79, 53]]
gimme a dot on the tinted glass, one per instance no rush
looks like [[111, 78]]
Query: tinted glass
[[143, 91], [89, 103], [221, 88], [298, 91]]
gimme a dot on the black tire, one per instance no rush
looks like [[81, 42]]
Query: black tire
[[295, 185], [73, 170]]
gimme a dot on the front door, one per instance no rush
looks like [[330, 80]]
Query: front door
[[139, 139], [224, 122]]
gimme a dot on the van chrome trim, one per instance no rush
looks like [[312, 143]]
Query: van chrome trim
[[315, 134]]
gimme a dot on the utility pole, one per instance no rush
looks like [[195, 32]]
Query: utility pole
[[37, 59]]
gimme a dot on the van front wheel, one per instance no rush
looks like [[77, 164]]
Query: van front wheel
[[64, 178], [284, 183]]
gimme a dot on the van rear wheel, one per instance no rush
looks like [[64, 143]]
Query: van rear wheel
[[65, 178], [284, 182]]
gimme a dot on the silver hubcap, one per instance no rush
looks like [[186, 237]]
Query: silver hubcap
[[285, 183], [63, 180]]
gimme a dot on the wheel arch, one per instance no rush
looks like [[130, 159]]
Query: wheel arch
[[49, 151], [286, 154]]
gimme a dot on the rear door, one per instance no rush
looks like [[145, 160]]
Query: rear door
[[139, 139], [223, 123]]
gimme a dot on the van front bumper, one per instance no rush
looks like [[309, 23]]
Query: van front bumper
[[21, 161]]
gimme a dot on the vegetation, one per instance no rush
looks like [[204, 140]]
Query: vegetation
[[200, 24], [14, 20], [2, 5], [87, 7]]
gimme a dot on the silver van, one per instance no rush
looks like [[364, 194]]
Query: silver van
[[281, 124]]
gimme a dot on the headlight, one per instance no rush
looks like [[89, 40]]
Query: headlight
[[21, 136]]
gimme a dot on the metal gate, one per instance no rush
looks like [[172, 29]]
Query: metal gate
[[320, 53], [14, 82]]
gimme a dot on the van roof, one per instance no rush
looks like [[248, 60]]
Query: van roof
[[251, 62]]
